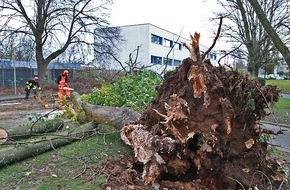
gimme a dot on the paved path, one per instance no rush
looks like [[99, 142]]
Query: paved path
[[282, 141], [286, 96], [12, 97]]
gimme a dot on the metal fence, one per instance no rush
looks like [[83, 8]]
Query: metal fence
[[17, 78]]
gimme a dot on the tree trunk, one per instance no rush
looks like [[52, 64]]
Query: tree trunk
[[77, 106], [41, 70], [17, 153], [28, 130], [109, 115], [282, 48]]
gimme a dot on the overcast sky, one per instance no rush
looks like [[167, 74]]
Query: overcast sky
[[187, 15]]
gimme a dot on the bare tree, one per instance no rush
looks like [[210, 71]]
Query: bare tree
[[243, 26], [58, 25], [132, 66], [283, 49], [18, 48]]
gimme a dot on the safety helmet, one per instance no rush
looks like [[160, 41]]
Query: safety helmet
[[65, 72], [35, 78]]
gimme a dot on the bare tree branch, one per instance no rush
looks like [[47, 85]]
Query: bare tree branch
[[215, 39], [57, 26]]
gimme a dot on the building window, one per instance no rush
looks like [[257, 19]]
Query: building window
[[167, 60], [212, 56], [177, 63], [178, 46], [168, 43], [156, 39], [156, 59]]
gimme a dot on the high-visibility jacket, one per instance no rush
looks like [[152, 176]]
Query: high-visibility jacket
[[62, 80], [31, 84]]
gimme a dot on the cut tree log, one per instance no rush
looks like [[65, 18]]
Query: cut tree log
[[203, 126], [9, 155], [3, 135]]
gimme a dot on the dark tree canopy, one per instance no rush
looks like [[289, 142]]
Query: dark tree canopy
[[55, 27]]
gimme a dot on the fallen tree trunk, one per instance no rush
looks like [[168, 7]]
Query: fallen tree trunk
[[113, 116], [20, 152], [77, 106], [28, 130], [109, 115]]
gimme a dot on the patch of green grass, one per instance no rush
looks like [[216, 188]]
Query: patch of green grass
[[69, 167], [280, 112], [281, 109], [283, 105], [284, 85], [274, 151]]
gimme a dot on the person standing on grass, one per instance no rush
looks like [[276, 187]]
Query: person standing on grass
[[32, 85], [62, 83]]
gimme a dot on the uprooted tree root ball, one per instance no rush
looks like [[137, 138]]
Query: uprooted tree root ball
[[203, 128]]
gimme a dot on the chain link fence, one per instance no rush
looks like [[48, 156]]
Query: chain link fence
[[15, 74]]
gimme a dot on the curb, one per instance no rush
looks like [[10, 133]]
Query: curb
[[277, 124]]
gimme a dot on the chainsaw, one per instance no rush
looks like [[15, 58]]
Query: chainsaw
[[67, 88]]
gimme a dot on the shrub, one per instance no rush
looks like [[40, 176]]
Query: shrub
[[133, 92], [262, 81]]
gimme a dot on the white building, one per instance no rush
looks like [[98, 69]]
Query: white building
[[154, 46]]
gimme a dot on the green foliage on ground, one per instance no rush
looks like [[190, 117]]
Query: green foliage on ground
[[132, 91], [70, 167], [284, 85]]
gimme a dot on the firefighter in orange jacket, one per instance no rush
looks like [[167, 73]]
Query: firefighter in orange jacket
[[62, 83]]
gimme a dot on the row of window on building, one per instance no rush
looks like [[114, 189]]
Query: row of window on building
[[164, 61], [166, 42], [169, 43]]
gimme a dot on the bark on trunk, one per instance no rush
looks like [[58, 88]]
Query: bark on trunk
[[77, 106], [28, 130], [13, 154], [109, 115], [283, 49]]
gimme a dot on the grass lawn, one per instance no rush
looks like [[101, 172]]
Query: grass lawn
[[70, 167], [281, 109], [284, 85], [280, 112]]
